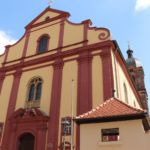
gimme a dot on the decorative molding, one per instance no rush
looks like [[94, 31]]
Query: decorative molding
[[22, 121], [47, 52], [32, 104], [29, 114], [85, 58], [46, 21], [61, 55], [58, 64], [104, 35], [18, 73], [46, 10]]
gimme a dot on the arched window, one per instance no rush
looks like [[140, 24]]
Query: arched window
[[43, 42], [35, 89], [34, 93], [126, 93]]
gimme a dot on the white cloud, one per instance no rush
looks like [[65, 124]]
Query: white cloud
[[142, 4], [5, 39]]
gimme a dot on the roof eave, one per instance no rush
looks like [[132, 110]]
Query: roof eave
[[110, 119], [146, 123]]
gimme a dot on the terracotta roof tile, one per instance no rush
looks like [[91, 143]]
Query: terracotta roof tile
[[111, 108]]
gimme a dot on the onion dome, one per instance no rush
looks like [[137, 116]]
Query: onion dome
[[131, 61]]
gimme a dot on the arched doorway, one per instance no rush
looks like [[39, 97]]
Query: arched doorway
[[18, 128], [26, 142]]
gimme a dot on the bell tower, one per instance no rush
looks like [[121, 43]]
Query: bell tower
[[137, 73]]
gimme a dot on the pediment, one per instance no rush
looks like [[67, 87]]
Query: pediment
[[47, 15], [32, 113]]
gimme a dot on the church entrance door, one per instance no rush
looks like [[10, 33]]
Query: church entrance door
[[26, 142]]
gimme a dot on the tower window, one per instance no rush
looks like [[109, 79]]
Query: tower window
[[110, 134], [34, 92], [43, 43]]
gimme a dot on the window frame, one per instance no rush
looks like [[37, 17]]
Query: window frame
[[38, 43], [107, 136], [66, 123], [68, 127], [34, 102]]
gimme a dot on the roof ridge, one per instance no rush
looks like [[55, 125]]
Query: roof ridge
[[94, 109], [115, 100], [129, 106]]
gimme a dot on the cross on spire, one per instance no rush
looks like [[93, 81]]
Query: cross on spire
[[50, 2], [129, 45], [129, 51]]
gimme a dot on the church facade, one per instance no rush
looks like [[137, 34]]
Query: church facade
[[59, 70]]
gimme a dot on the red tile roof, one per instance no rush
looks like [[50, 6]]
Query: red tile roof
[[111, 108]]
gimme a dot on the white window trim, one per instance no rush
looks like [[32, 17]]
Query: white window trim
[[112, 143]]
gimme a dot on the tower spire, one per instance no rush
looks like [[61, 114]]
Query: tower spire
[[129, 51]]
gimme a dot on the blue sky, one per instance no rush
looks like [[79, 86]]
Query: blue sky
[[128, 20]]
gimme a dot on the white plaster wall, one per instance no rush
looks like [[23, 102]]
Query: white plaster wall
[[132, 136]]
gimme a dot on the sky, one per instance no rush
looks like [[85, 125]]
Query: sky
[[127, 20]]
